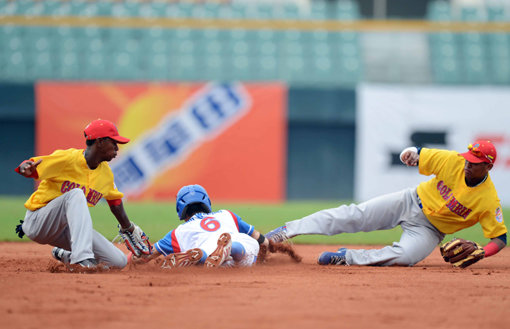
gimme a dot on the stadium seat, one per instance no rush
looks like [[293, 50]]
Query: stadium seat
[[318, 10], [289, 10], [499, 70], [207, 10], [16, 67], [472, 14], [446, 70], [475, 71], [497, 14], [347, 10], [68, 66], [155, 67], [439, 10], [95, 66]]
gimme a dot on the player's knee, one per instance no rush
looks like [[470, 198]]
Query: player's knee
[[237, 252], [119, 260], [404, 257]]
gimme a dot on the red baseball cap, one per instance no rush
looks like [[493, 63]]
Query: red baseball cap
[[103, 128], [481, 151]]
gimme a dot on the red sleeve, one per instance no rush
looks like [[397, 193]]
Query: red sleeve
[[115, 202], [34, 175], [234, 217]]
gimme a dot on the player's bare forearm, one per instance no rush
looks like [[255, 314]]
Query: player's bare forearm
[[119, 213]]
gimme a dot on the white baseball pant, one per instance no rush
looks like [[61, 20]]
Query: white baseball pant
[[418, 240], [65, 222]]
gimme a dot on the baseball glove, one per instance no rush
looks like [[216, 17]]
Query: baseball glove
[[137, 241], [461, 253]]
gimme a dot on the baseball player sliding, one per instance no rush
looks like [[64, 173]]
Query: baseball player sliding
[[71, 181], [460, 194], [214, 239]]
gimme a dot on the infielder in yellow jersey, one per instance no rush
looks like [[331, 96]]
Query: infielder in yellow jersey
[[460, 194], [71, 181]]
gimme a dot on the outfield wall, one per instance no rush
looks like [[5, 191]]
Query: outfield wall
[[288, 143], [303, 143]]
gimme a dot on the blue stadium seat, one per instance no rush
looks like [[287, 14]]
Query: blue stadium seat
[[446, 70], [124, 66], [206, 10], [155, 67], [263, 10], [155, 40], [499, 70], [266, 68], [95, 66], [290, 10], [475, 71], [78, 8], [213, 67], [69, 67], [16, 67], [347, 10], [497, 14], [318, 10], [439, 10], [472, 14], [294, 69]]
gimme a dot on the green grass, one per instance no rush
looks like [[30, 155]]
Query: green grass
[[156, 219]]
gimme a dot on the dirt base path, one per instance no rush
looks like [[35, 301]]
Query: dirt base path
[[36, 293]]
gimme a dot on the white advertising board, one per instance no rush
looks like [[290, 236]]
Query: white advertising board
[[393, 117]]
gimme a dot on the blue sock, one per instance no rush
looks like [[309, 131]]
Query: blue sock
[[238, 251], [204, 256]]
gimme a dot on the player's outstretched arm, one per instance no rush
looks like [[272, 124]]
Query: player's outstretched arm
[[410, 156]]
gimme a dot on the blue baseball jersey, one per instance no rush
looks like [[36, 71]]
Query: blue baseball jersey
[[200, 228]]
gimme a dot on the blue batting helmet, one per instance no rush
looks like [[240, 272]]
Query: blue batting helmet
[[190, 194]]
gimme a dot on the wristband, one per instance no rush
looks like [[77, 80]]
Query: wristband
[[123, 230], [261, 239], [491, 249]]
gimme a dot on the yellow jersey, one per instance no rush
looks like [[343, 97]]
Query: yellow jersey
[[449, 203], [64, 170]]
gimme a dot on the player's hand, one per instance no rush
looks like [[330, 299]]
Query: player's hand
[[136, 240], [409, 157], [27, 168]]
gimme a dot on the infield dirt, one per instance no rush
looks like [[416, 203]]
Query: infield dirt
[[36, 293]]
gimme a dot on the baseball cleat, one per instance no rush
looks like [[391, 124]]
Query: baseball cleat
[[222, 252], [61, 255], [182, 259], [333, 258], [88, 265], [279, 234]]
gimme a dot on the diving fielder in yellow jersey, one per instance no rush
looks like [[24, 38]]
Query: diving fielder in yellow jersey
[[460, 194], [71, 181]]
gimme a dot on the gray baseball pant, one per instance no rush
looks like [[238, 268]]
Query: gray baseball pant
[[65, 222], [418, 240]]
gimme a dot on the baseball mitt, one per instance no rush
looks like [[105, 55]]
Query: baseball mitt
[[137, 241], [462, 253]]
